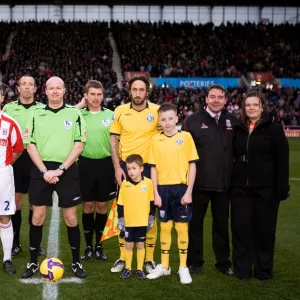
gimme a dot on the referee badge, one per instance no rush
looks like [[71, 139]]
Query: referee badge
[[150, 118], [68, 124], [144, 188], [179, 141], [105, 123]]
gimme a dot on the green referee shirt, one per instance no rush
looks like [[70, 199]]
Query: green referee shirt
[[21, 112], [54, 131], [97, 145]]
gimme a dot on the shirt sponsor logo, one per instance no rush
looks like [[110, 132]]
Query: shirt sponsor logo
[[105, 123], [3, 142], [68, 124], [179, 141], [144, 188], [4, 131], [150, 118], [204, 126]]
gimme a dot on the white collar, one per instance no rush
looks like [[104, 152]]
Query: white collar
[[213, 114]]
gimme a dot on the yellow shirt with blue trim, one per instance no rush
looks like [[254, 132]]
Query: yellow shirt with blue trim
[[135, 129], [171, 156], [136, 198]]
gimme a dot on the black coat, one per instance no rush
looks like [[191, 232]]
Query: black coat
[[261, 159], [214, 147]]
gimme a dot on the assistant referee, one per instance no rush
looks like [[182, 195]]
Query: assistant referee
[[97, 176], [55, 136]]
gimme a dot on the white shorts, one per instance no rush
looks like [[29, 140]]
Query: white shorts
[[7, 191]]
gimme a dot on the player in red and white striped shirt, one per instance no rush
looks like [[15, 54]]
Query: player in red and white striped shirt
[[11, 147]]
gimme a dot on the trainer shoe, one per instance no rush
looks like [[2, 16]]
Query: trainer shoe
[[9, 267], [41, 252], [149, 266], [31, 269], [99, 253], [88, 253], [118, 266], [184, 275], [140, 275], [126, 274], [16, 249], [78, 270], [159, 271]]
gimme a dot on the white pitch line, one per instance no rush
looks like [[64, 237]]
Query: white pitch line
[[293, 178], [50, 290], [42, 281]]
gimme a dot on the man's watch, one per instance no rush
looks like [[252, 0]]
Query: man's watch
[[44, 171], [62, 167]]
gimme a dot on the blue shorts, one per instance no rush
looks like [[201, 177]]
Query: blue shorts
[[172, 209], [146, 172], [135, 234]]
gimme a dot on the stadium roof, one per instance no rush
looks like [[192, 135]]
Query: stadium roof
[[156, 2]]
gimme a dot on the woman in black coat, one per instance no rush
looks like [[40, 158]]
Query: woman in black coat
[[260, 180]]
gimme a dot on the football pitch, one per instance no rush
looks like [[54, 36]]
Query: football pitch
[[208, 285]]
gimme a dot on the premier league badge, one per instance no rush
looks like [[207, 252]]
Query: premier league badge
[[68, 124], [105, 123]]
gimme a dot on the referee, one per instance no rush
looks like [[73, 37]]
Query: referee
[[20, 110], [97, 177], [55, 135]]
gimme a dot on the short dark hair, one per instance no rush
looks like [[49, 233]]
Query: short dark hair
[[218, 87], [93, 84], [26, 75], [166, 106], [135, 158], [263, 103], [140, 77]]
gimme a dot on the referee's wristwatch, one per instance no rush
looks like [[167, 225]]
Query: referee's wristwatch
[[44, 171], [62, 167]]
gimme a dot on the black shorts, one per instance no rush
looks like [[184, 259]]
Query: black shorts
[[171, 208], [146, 172], [67, 188], [22, 168], [97, 179], [135, 234]]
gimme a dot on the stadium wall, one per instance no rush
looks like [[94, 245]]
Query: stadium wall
[[145, 13]]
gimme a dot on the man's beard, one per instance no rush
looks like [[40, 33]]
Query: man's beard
[[140, 101]]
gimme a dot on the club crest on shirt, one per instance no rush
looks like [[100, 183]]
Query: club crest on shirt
[[144, 188], [4, 131], [113, 117], [105, 123], [150, 118], [68, 124], [204, 126], [228, 123], [179, 141]]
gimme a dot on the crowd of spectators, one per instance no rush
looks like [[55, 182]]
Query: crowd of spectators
[[5, 30], [205, 50], [75, 51]]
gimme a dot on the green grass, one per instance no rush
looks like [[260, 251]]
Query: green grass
[[208, 285]]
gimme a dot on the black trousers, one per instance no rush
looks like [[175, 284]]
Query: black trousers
[[253, 224], [220, 235]]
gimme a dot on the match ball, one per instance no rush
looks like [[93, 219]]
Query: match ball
[[52, 269]]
